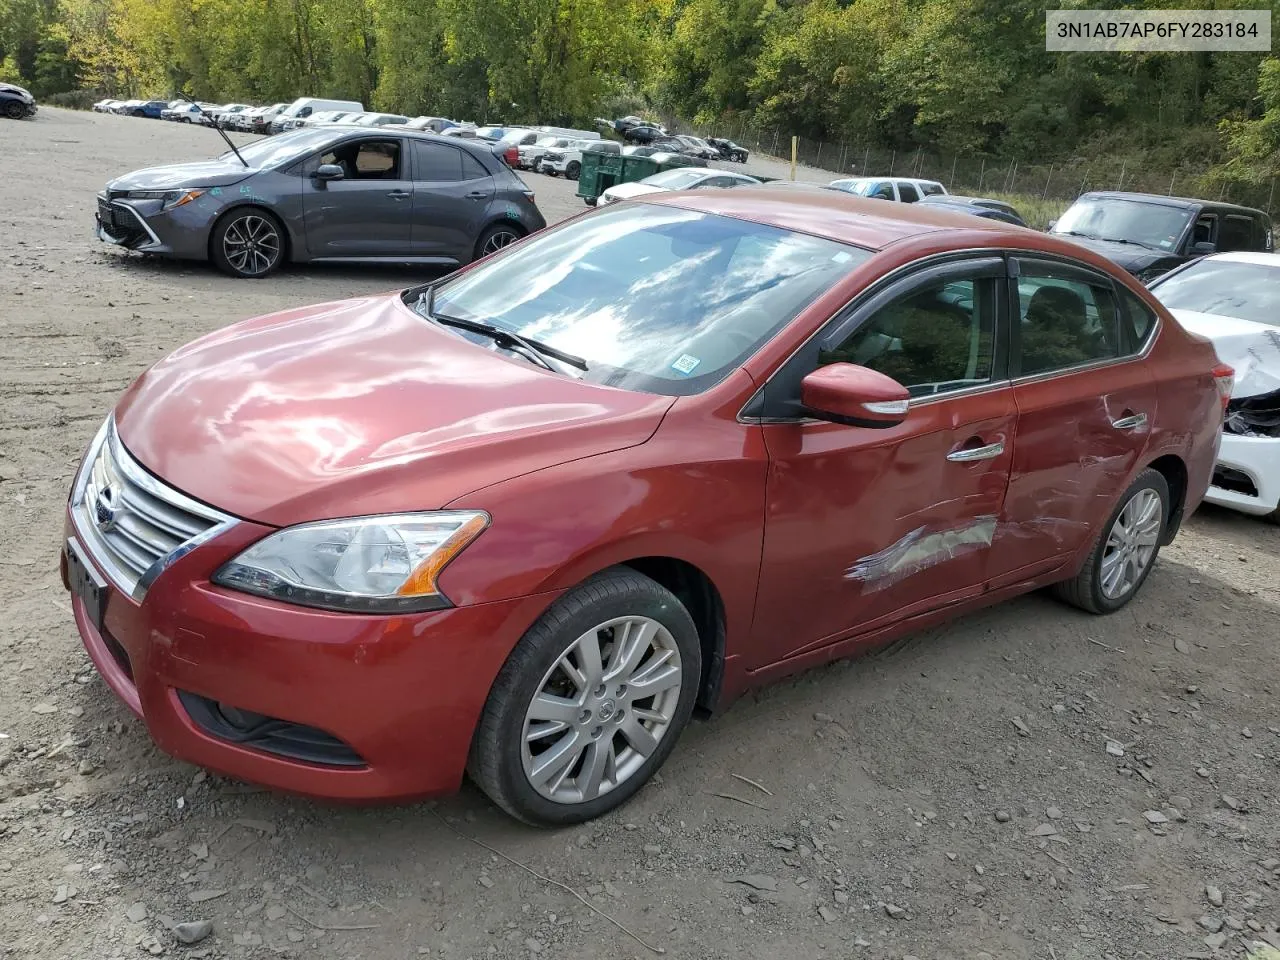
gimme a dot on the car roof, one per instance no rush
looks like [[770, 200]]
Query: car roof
[[1242, 256], [843, 217], [1156, 198]]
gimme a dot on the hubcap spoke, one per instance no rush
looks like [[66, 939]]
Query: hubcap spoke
[[558, 759], [589, 657], [639, 737], [596, 764], [1131, 543], [547, 706]]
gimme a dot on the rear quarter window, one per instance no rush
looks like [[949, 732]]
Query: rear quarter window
[[1137, 321]]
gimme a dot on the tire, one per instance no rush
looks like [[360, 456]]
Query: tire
[[138, 113], [14, 110], [1088, 590], [589, 201], [496, 237], [241, 243], [572, 170], [600, 725]]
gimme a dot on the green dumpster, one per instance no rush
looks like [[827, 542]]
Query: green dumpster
[[602, 163]]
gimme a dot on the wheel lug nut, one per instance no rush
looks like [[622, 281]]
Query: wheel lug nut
[[595, 734], [599, 691], [622, 689], [619, 715], [584, 716]]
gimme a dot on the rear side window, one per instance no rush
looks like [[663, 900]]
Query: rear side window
[[931, 189], [907, 192], [436, 162], [1138, 322], [1236, 233], [1065, 322], [471, 167]]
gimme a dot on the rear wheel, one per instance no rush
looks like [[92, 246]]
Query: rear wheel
[[247, 243], [495, 238], [590, 702], [1125, 551], [572, 170]]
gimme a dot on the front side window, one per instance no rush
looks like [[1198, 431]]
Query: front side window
[[933, 340], [1065, 322], [1154, 225], [366, 159], [655, 299], [878, 191]]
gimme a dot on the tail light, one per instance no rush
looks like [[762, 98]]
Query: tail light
[[511, 156], [1224, 378]]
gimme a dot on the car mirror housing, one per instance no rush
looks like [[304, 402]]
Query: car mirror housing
[[1204, 248], [327, 172], [854, 396]]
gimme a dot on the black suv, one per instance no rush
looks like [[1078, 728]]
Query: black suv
[[1149, 235]]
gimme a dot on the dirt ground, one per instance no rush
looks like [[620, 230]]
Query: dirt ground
[[952, 798]]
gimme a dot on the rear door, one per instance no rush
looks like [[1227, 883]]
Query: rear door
[[864, 527], [368, 212], [1086, 404], [451, 195]]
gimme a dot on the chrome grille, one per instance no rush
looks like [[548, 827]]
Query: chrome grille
[[132, 524]]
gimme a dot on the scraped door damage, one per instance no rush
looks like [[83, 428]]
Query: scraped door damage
[[919, 550]]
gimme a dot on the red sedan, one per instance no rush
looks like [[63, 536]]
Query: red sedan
[[521, 522]]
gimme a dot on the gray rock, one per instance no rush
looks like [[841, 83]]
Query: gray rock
[[652, 849], [1212, 924], [747, 909], [534, 946], [87, 767], [1053, 813], [757, 881], [1231, 803], [1181, 645], [1003, 816], [1213, 895], [1115, 748], [1247, 733], [974, 890], [1215, 940], [193, 931], [1044, 830], [783, 843], [44, 708], [62, 894], [1234, 924], [894, 911], [137, 913], [826, 913], [1155, 817]]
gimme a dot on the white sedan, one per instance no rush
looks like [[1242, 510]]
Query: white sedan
[[1233, 299], [681, 178]]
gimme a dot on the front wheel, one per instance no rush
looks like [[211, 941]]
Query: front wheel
[[248, 244], [14, 110], [572, 170], [1125, 551], [590, 702]]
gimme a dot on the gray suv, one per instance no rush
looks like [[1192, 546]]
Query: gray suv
[[324, 194]]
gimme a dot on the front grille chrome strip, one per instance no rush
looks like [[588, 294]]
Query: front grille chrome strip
[[133, 525]]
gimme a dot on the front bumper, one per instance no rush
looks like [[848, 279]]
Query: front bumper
[[145, 227], [1247, 474], [397, 698]]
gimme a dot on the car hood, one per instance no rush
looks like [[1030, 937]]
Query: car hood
[[201, 173], [1251, 349], [361, 407], [622, 191]]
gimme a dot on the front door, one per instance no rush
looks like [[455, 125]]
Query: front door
[[451, 194], [1085, 409], [368, 213], [867, 526]]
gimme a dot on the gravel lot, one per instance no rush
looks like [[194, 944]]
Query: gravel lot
[[953, 797]]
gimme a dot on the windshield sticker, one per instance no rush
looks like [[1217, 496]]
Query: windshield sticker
[[685, 364]]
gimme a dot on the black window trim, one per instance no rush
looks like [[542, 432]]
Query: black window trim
[[1086, 274], [784, 383]]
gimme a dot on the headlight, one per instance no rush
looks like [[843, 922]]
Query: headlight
[[171, 198], [385, 564]]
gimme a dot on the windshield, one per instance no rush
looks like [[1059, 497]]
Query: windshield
[[674, 179], [279, 149], [655, 299], [551, 142], [1153, 225], [1228, 288]]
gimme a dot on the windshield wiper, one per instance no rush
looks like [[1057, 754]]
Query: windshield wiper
[[531, 350], [1136, 243], [1077, 233]]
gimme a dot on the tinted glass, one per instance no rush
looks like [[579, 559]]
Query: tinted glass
[[933, 340], [931, 189], [1247, 291], [1151, 225], [655, 299], [1236, 233], [1065, 323], [281, 149], [366, 159], [472, 169], [907, 193], [436, 162], [674, 179], [1139, 320], [878, 191]]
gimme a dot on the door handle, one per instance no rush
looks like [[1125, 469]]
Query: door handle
[[1134, 421], [477, 195], [399, 194], [970, 454]]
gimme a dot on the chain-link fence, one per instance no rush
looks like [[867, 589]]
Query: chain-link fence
[[983, 175]]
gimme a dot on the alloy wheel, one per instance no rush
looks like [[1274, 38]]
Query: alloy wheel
[[497, 240], [601, 710], [1131, 543], [251, 245]]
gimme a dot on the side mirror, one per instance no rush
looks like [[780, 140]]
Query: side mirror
[[854, 396], [328, 172], [1203, 248], [1052, 224]]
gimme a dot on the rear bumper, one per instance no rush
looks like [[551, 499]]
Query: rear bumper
[[394, 699], [1247, 474]]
